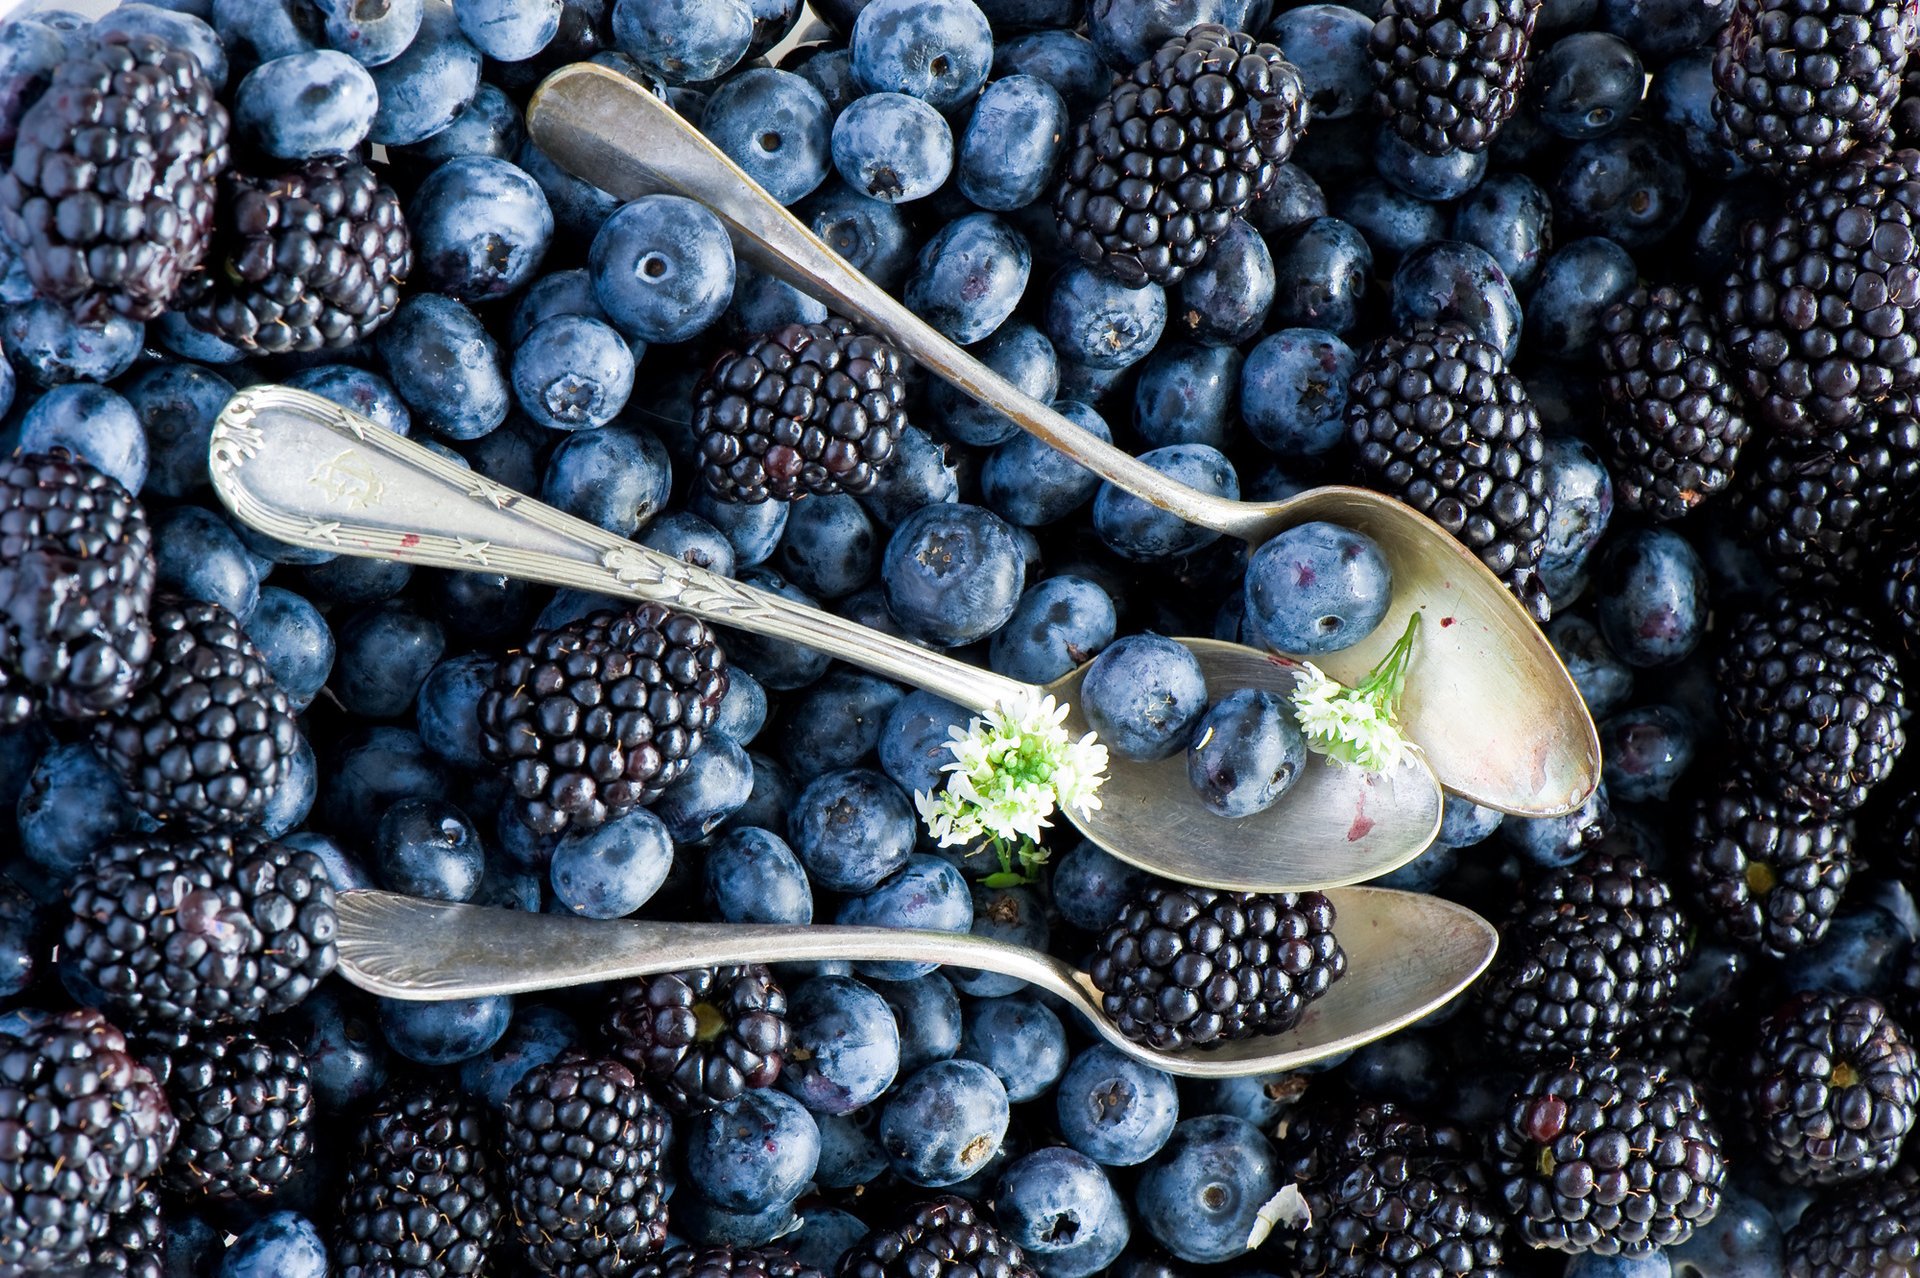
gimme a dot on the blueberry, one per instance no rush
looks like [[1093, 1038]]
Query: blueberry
[[927, 893], [1394, 222], [849, 1155], [662, 268], [846, 1046], [921, 474], [305, 105], [827, 548], [1128, 31], [29, 53], [1451, 282], [754, 1153], [1095, 320], [292, 800], [256, 31], [346, 1056], [872, 235], [386, 652], [490, 126], [1646, 751], [1144, 695], [752, 529], [1464, 823], [716, 784], [573, 372], [780, 664], [1058, 626], [1681, 98], [693, 540], [702, 1221], [1651, 1264], [1091, 885], [1115, 1110], [1317, 588], [72, 804], [1011, 143], [1010, 914], [1186, 394], [1652, 592], [1741, 1241], [1059, 1207], [938, 51], [509, 30], [1579, 281], [953, 573], [1261, 1099], [345, 871], [944, 1122], [350, 580], [480, 228], [366, 393], [197, 556], [752, 876], [1552, 842], [19, 924], [829, 69], [428, 847], [1603, 680], [447, 710], [1031, 483], [535, 1036], [611, 871], [1510, 217], [1064, 59], [775, 126], [425, 80], [1200, 1194], [445, 366], [45, 344], [1224, 300], [1136, 529], [762, 303], [579, 207], [1580, 494], [1586, 84], [1020, 1039], [1018, 352], [927, 1012], [1424, 176], [892, 147], [617, 477], [742, 711], [826, 1234], [1328, 43], [1293, 391], [444, 1033], [1630, 186], [1854, 957], [90, 422], [852, 829], [284, 1244], [1323, 269], [1247, 752], [684, 41], [913, 741], [837, 722]]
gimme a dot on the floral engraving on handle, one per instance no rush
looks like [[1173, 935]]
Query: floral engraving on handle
[[348, 479]]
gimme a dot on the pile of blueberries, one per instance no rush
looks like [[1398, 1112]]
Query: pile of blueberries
[[527, 349]]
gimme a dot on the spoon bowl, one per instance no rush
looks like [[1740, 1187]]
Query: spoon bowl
[[1496, 714], [306, 471], [1407, 955]]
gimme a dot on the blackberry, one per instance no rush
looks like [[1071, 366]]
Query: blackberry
[[1436, 420], [1814, 700], [1161, 168], [943, 1237], [197, 930], [700, 1038], [1800, 83], [245, 1108], [421, 1198], [308, 259], [1389, 1193], [1866, 1230], [585, 1152], [1194, 967], [1818, 314], [723, 1261], [1906, 112], [1820, 511], [86, 1127], [1590, 952], [110, 192], [1769, 875], [1612, 1156], [1674, 419], [598, 717], [1900, 595], [135, 1243], [1447, 73], [1830, 1089], [76, 580], [807, 408], [210, 736]]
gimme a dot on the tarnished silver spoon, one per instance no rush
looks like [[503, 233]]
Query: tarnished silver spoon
[[1406, 956], [306, 471], [1494, 710]]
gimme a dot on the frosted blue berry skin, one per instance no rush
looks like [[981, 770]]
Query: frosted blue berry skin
[[892, 147], [1317, 588], [1143, 696], [936, 50], [306, 105], [1247, 752], [1012, 143], [662, 268], [424, 83], [777, 127]]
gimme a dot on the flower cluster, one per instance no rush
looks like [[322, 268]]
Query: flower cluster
[[1357, 725]]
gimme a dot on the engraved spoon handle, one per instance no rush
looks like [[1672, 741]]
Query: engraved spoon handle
[[596, 123], [309, 472]]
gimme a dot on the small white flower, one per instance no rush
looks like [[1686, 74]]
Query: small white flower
[[1357, 725]]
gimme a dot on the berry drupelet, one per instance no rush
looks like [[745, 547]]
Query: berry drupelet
[[585, 1148], [76, 582], [110, 192], [1193, 967], [1859, 1231], [1435, 419], [1593, 950], [1814, 700], [201, 929], [1674, 418], [1768, 874], [244, 1103], [421, 1198], [1819, 319], [210, 736], [1611, 1156], [134, 1245], [1176, 152], [806, 408], [943, 1237], [309, 259], [598, 717], [702, 1037], [1800, 83], [1447, 73], [723, 1261], [87, 1126], [1830, 1088]]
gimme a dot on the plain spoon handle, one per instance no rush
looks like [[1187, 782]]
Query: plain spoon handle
[[404, 947], [596, 123], [306, 471]]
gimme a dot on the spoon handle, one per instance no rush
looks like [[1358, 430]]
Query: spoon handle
[[408, 948], [309, 472], [596, 123]]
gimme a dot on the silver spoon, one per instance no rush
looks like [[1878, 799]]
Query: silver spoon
[[1406, 956], [1499, 719], [306, 471]]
